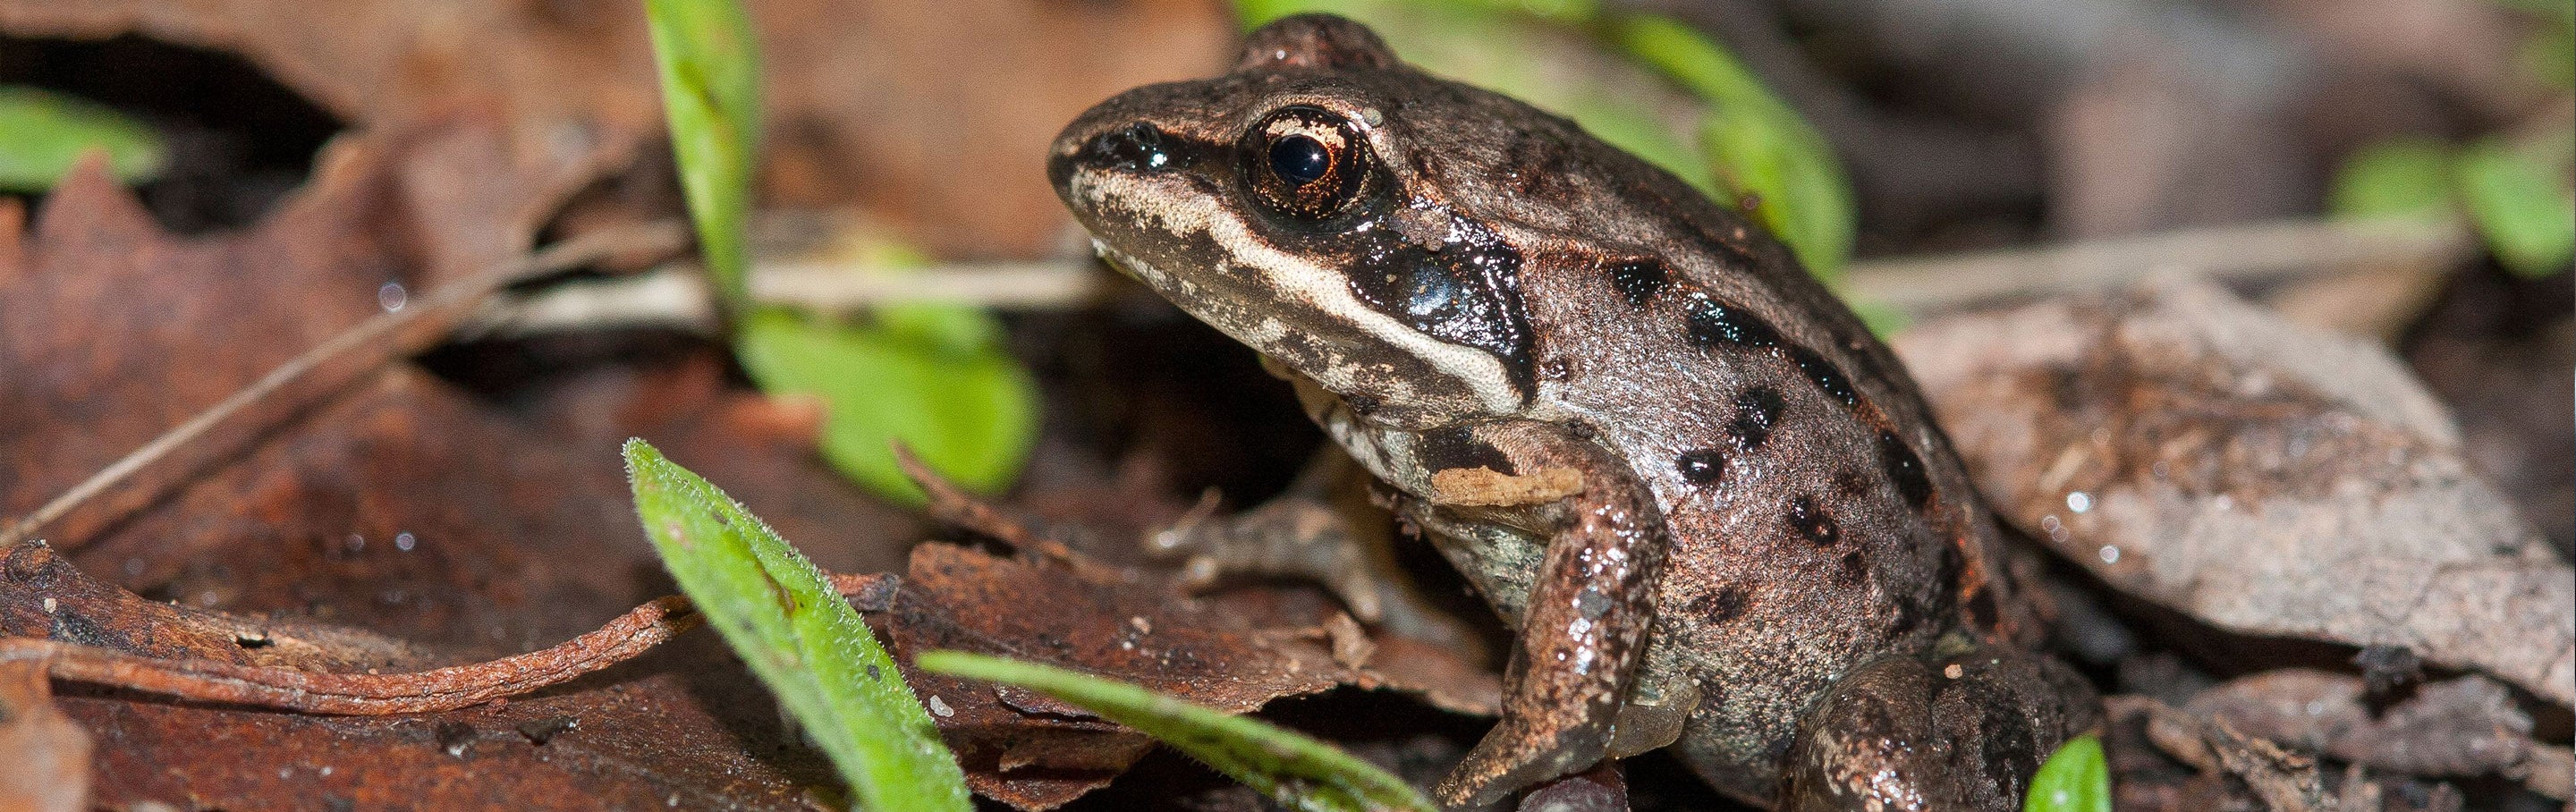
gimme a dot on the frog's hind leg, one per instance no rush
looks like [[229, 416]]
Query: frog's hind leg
[[1965, 732]]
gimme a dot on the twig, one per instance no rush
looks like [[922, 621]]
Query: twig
[[2289, 247], [361, 349], [440, 689], [1035, 285]]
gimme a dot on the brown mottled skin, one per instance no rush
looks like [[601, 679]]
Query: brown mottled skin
[[1711, 501]]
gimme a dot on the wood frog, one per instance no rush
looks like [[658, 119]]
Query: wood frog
[[1712, 505]]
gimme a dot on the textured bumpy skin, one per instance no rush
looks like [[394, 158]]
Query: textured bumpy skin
[[1697, 484]]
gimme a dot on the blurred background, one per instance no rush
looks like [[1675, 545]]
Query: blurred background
[[2397, 170]]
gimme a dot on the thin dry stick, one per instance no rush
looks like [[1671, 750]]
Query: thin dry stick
[[363, 348], [2277, 248], [441, 689]]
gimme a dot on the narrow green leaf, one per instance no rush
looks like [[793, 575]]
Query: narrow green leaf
[[934, 376], [2076, 778], [1758, 145], [710, 67], [1296, 771], [799, 636], [42, 133], [2523, 204], [2402, 177]]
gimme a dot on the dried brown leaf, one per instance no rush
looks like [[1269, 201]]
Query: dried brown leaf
[[2203, 454]]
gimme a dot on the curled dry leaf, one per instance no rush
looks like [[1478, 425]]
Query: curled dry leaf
[[2203, 454]]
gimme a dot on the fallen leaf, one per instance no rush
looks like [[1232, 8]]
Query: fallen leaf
[[2200, 453], [2461, 728], [1039, 756]]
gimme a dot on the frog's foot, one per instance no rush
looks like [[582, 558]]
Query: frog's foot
[[1965, 732], [1306, 532]]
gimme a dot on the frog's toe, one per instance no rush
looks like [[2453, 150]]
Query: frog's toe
[[1516, 754]]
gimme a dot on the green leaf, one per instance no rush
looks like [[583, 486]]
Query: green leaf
[[1758, 145], [2403, 177], [1296, 771], [2074, 779], [710, 67], [934, 376], [43, 133], [799, 636], [2523, 203]]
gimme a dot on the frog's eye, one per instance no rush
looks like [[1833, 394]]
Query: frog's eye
[[1305, 162]]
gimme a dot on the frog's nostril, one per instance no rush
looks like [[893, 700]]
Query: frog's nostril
[[1136, 147]]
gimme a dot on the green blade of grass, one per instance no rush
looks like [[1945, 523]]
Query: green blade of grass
[[2076, 778], [1296, 771], [42, 134], [710, 67], [799, 636]]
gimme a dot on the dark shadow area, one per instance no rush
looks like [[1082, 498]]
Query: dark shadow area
[[238, 140]]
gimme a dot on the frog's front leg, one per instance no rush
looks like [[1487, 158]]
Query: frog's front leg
[[1584, 614]]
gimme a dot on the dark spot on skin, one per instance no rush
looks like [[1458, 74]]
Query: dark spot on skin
[[1727, 603], [1457, 447], [1640, 280], [1853, 570], [1757, 410], [1810, 520], [1702, 466], [1361, 405], [1905, 470], [1824, 375], [1712, 324], [1981, 609]]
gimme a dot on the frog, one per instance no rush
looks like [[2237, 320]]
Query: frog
[[1709, 503]]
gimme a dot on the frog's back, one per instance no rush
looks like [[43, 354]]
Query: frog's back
[[1820, 521]]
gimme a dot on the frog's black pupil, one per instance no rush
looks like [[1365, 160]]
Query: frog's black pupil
[[1299, 159]]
